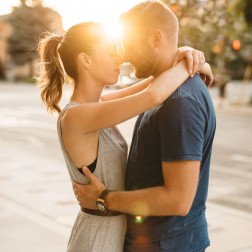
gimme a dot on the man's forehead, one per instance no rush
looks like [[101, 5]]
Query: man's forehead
[[132, 34]]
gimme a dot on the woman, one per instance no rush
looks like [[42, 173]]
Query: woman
[[86, 125]]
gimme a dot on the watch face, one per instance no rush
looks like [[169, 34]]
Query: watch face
[[101, 207]]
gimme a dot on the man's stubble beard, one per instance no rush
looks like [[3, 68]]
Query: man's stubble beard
[[148, 66]]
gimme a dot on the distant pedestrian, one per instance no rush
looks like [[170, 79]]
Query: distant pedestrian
[[221, 80]]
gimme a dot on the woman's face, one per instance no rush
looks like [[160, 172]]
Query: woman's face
[[106, 63]]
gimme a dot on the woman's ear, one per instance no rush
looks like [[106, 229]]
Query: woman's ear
[[155, 38], [84, 60]]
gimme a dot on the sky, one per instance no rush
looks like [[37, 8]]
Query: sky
[[74, 11]]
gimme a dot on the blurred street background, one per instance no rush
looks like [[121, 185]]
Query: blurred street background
[[37, 204]]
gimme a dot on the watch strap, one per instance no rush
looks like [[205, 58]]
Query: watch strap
[[101, 201], [104, 194]]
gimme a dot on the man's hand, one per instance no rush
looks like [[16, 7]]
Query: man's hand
[[195, 59], [88, 194]]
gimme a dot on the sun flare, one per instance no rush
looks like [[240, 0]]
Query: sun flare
[[105, 12], [113, 30], [76, 11]]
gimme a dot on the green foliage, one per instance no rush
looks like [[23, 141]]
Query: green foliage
[[248, 11], [212, 25], [28, 21], [2, 73]]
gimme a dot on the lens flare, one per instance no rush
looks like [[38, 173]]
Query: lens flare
[[113, 30], [138, 219]]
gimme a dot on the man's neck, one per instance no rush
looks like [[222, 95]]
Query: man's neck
[[164, 61]]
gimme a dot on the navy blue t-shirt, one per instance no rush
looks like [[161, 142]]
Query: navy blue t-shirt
[[182, 128]]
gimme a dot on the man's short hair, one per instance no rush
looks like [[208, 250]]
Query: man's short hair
[[149, 15]]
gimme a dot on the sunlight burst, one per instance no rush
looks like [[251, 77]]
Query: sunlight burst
[[113, 30], [105, 12]]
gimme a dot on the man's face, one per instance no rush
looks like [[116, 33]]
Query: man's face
[[139, 53]]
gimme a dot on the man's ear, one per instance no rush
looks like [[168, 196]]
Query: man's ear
[[84, 60], [155, 38]]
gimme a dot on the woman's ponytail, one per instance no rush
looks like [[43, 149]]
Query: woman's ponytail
[[51, 76], [58, 58]]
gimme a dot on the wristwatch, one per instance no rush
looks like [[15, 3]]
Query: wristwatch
[[101, 201]]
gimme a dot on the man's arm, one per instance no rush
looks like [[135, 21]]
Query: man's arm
[[174, 198], [181, 125]]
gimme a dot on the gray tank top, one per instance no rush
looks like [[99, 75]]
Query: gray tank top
[[111, 159], [92, 233]]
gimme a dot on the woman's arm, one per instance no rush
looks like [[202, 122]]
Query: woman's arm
[[194, 58], [137, 87], [89, 117], [207, 74]]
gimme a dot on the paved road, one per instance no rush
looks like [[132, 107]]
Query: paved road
[[37, 205]]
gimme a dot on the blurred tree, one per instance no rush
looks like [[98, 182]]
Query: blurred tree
[[2, 73], [28, 21], [247, 8], [211, 26], [248, 11]]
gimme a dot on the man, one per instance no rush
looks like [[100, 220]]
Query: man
[[169, 160]]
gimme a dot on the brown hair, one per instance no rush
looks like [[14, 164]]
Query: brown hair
[[149, 15], [57, 57]]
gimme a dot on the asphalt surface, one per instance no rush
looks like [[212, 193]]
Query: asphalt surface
[[37, 204]]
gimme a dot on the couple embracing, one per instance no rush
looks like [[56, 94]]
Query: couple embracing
[[154, 198]]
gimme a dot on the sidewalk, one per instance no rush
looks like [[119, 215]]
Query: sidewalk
[[37, 204], [238, 98], [25, 229], [229, 230]]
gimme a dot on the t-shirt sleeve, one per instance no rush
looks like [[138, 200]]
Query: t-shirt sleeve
[[181, 123]]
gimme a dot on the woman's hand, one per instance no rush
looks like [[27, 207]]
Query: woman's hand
[[206, 74], [195, 63], [195, 59]]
